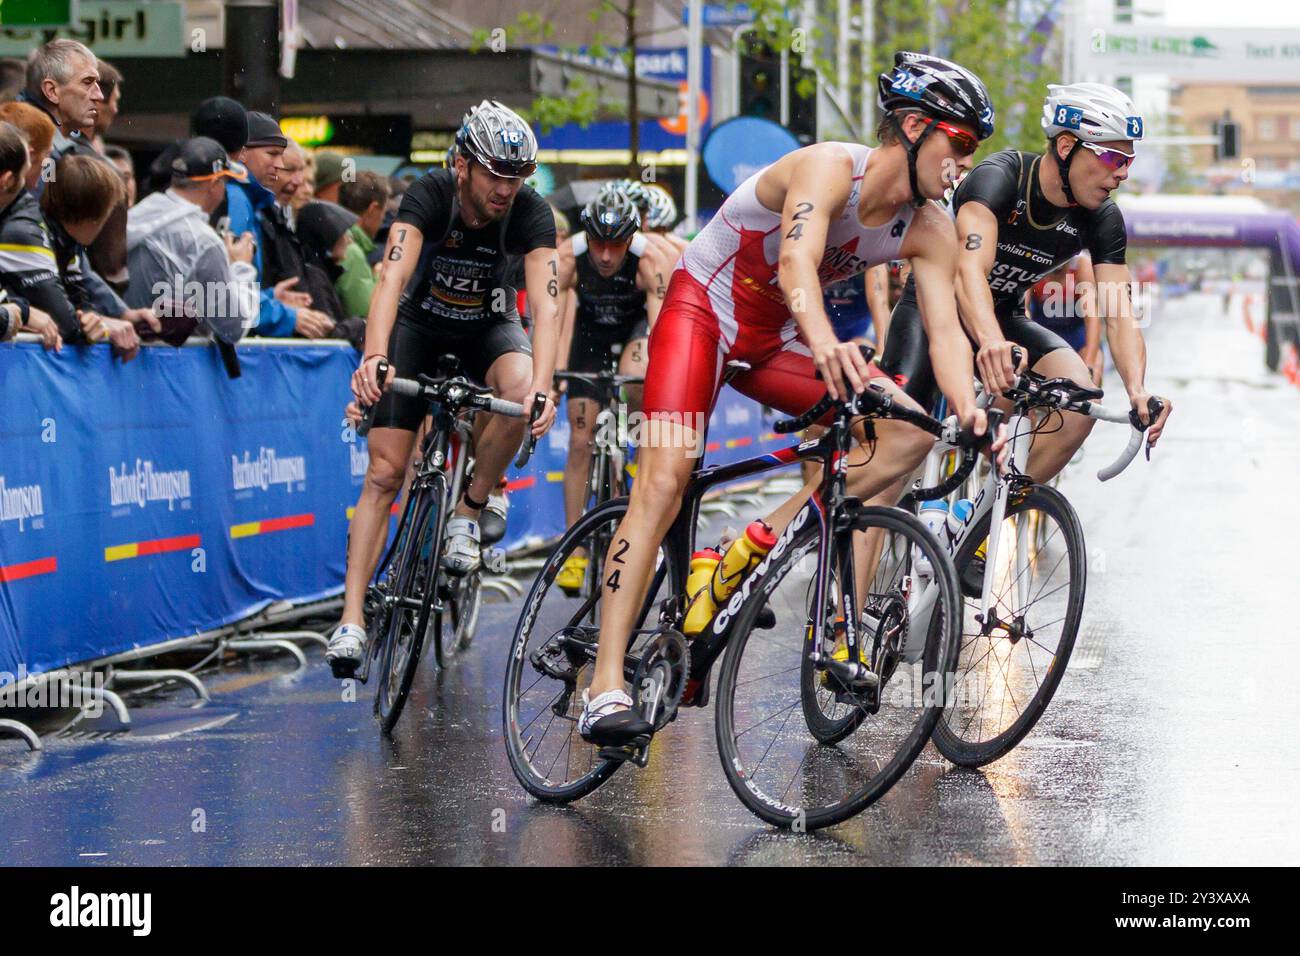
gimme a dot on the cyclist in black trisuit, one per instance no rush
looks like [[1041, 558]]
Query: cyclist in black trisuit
[[444, 291], [619, 290], [1019, 217]]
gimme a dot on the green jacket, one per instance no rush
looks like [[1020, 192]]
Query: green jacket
[[358, 280]]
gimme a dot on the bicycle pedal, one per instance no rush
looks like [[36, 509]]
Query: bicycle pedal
[[344, 668], [636, 751], [853, 677]]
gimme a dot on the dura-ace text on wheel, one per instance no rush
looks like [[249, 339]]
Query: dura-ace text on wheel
[[802, 749], [1009, 666], [551, 662]]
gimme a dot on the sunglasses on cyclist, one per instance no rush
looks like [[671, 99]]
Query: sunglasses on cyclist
[[507, 169], [1115, 159], [963, 142]]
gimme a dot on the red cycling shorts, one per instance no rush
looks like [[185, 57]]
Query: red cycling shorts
[[694, 339]]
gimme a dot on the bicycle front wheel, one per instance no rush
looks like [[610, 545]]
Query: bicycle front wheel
[[1009, 666], [409, 618], [805, 757]]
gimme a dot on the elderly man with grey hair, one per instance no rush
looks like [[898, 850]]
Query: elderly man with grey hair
[[63, 80]]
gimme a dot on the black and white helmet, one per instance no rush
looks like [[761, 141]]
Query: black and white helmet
[[611, 216], [498, 137], [663, 211], [938, 87]]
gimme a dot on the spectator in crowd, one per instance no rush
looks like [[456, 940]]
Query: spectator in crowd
[[38, 129], [329, 176], [110, 84], [42, 247], [63, 80], [251, 207], [292, 182], [366, 197], [217, 117], [13, 77], [323, 229], [180, 267], [125, 165]]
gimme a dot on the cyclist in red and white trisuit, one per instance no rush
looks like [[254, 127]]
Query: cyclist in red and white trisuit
[[749, 288]]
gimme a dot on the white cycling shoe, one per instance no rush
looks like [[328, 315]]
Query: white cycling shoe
[[610, 720], [347, 649], [462, 555]]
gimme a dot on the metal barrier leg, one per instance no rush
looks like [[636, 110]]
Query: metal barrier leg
[[252, 645], [161, 677], [308, 636], [19, 729]]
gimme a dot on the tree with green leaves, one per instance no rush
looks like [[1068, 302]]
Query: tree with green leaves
[[580, 104], [983, 35]]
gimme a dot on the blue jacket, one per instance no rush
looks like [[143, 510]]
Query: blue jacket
[[243, 202]]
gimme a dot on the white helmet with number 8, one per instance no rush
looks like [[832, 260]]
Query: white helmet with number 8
[[1093, 112]]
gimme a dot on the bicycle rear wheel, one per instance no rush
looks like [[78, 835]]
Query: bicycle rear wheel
[[814, 772], [1007, 672], [409, 618], [551, 662]]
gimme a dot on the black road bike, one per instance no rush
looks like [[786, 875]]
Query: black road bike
[[824, 696], [413, 598]]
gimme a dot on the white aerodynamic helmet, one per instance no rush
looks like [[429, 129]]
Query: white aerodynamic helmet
[[1093, 112]]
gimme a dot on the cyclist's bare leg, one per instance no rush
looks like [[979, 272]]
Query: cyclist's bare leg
[[1053, 449], [509, 378], [390, 453], [900, 448], [577, 470], [633, 362], [664, 470]]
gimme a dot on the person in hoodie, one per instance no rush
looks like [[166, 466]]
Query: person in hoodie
[[179, 266], [324, 229], [283, 310]]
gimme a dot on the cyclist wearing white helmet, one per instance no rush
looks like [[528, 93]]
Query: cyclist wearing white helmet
[[1019, 217], [445, 290]]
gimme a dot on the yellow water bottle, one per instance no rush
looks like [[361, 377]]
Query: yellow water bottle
[[697, 588], [741, 556]]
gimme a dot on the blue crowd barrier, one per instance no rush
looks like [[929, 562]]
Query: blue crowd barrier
[[151, 500]]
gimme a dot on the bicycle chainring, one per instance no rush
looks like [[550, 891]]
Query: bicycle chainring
[[662, 671]]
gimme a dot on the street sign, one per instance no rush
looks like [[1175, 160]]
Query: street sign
[[37, 13], [112, 28], [720, 15], [1192, 54]]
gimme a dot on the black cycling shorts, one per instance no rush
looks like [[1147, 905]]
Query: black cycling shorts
[[907, 347], [590, 350], [417, 349]]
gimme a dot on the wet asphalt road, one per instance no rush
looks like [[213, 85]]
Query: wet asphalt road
[[1172, 739]]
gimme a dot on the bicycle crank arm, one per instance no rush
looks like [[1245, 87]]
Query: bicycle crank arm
[[638, 752], [854, 677]]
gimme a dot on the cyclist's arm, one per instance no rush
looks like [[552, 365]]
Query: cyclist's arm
[[877, 284], [932, 247], [818, 189], [977, 242], [401, 254], [653, 281], [568, 301], [542, 278], [1127, 346], [1085, 280]]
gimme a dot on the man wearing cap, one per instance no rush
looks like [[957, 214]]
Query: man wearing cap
[[329, 176], [179, 265], [284, 311]]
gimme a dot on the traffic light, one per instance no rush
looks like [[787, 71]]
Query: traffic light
[[760, 86], [1229, 133], [760, 90]]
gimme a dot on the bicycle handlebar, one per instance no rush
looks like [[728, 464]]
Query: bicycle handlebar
[[1154, 408]]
